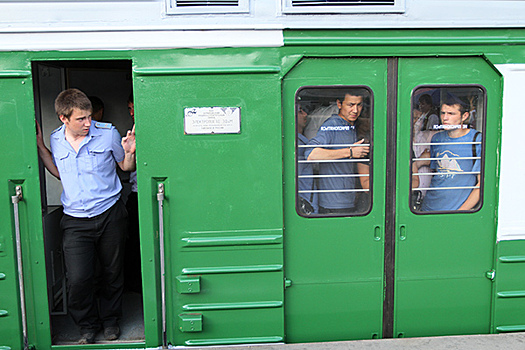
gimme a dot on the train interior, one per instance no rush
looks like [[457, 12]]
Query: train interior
[[111, 82]]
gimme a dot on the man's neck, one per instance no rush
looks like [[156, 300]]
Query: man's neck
[[74, 140], [458, 133]]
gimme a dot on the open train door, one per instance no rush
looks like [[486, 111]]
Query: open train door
[[209, 179], [23, 320]]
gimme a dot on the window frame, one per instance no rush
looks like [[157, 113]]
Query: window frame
[[483, 103], [242, 7], [370, 154], [399, 6]]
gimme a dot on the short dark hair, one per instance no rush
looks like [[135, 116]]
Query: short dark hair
[[451, 100], [426, 99], [96, 103], [353, 92], [70, 99]]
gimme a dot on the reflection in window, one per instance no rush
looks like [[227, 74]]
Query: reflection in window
[[333, 147], [447, 153]]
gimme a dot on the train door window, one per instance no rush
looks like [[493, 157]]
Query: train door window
[[110, 81], [333, 150], [447, 138]]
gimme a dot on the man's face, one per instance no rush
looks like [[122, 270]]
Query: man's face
[[301, 119], [131, 110], [350, 109], [451, 115], [424, 107], [78, 123]]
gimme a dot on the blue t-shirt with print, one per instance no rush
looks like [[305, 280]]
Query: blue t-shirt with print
[[451, 171], [335, 131]]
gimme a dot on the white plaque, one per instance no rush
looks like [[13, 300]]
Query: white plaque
[[212, 120]]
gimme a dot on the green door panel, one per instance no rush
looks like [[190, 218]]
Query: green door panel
[[509, 301], [20, 168], [335, 265], [222, 212], [442, 259]]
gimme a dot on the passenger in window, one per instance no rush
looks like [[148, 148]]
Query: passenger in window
[[339, 130], [308, 199], [424, 127], [98, 108], [132, 262], [452, 169]]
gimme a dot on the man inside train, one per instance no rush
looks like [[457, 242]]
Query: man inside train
[[94, 221], [340, 131], [453, 154]]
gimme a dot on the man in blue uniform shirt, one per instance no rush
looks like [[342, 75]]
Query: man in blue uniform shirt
[[94, 222], [451, 152], [339, 130]]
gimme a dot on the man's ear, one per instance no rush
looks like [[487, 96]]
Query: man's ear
[[465, 116], [339, 104], [62, 118]]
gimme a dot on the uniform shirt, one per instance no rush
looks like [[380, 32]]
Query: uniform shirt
[[450, 171], [133, 181], [89, 177], [335, 131]]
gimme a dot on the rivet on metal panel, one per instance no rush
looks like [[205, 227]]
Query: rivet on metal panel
[[491, 274], [2, 276]]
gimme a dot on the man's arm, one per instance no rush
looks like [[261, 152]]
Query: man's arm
[[128, 143], [415, 178], [319, 153], [472, 199], [364, 169], [45, 153]]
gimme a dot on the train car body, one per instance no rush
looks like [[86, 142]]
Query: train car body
[[227, 254]]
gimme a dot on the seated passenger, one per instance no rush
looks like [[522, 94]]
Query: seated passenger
[[423, 128], [306, 185], [339, 130], [451, 147]]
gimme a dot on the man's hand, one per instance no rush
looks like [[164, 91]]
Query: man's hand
[[360, 151], [128, 141]]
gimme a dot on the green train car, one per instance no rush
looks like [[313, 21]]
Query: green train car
[[238, 244]]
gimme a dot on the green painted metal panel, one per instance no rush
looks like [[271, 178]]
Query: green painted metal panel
[[223, 218], [441, 263], [509, 302], [335, 264], [20, 167]]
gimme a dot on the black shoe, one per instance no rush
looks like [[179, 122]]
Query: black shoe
[[111, 333], [87, 338]]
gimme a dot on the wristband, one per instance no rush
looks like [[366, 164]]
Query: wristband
[[351, 153]]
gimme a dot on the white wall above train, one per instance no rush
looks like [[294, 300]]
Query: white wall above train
[[156, 16]]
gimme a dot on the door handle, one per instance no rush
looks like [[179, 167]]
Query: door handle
[[15, 200], [377, 233], [402, 232], [160, 200]]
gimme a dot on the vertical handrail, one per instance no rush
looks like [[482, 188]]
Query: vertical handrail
[[160, 199], [15, 199]]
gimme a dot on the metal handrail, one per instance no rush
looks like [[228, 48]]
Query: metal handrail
[[160, 199], [15, 200]]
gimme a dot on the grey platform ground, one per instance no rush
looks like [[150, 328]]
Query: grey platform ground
[[511, 341]]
